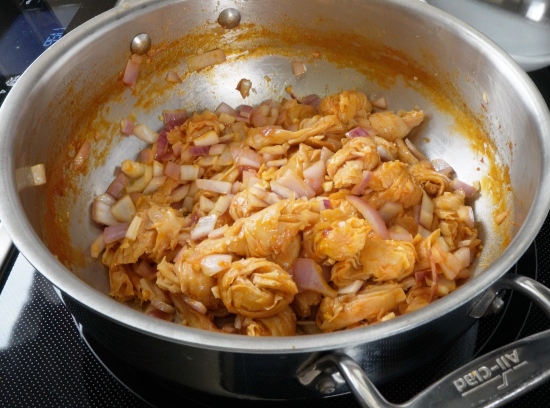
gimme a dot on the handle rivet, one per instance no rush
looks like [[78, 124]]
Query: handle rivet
[[326, 386], [229, 18], [140, 44]]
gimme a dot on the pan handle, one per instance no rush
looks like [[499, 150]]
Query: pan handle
[[8, 255], [488, 381]]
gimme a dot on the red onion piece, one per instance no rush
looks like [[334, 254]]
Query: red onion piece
[[282, 190], [162, 143], [127, 127], [173, 77], [463, 255], [222, 187], [371, 215], [326, 154], [415, 152], [327, 272], [316, 170], [204, 60], [419, 276], [357, 132], [299, 68], [328, 204], [115, 232], [291, 181], [145, 270], [442, 166], [293, 127], [246, 157], [101, 210], [174, 117], [384, 154], [204, 226], [159, 314], [244, 86], [172, 170], [130, 73], [82, 154], [389, 210], [199, 150], [401, 236], [98, 245], [240, 118], [309, 276], [468, 189], [194, 304], [246, 111], [257, 119], [146, 156], [162, 306], [225, 108], [360, 187], [314, 184], [312, 100]]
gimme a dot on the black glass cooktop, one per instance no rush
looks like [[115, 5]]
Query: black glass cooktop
[[47, 361]]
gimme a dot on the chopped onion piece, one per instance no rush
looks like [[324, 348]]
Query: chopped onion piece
[[225, 108], [312, 100], [127, 127], [174, 117], [173, 77], [145, 133], [426, 211], [360, 187], [357, 132], [384, 153], [442, 166], [327, 186], [246, 111], [257, 119], [309, 276], [38, 174], [371, 215], [244, 86], [162, 306], [316, 170], [98, 245], [199, 151], [158, 168], [123, 209], [380, 103], [282, 190], [216, 150], [130, 73], [424, 233], [463, 255], [115, 232], [222, 205], [390, 210], [276, 163], [415, 152], [101, 210], [218, 232], [212, 264], [145, 270], [351, 288], [326, 154], [204, 60], [204, 226], [400, 236], [468, 189], [466, 215], [154, 184], [82, 154], [172, 170], [208, 139], [222, 187], [420, 276], [180, 192], [291, 181], [501, 217], [146, 156], [133, 169], [133, 229], [299, 68], [189, 172]]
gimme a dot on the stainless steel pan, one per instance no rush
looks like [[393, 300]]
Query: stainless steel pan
[[485, 118]]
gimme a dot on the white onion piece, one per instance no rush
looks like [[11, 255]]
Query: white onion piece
[[98, 245], [326, 154], [126, 127], [442, 166], [309, 276], [312, 100], [204, 226], [123, 209], [371, 215], [82, 154], [463, 255], [172, 170], [173, 77], [158, 168], [225, 108], [162, 306], [216, 149], [499, 219], [351, 288], [133, 169], [130, 73], [389, 210], [218, 232], [282, 190], [115, 232], [258, 192], [415, 152], [299, 68], [222, 187], [468, 189], [133, 229], [212, 264], [236, 187], [380, 103], [243, 87], [189, 172], [258, 120], [180, 192], [194, 304], [271, 198], [314, 183], [204, 60], [154, 184], [144, 132], [426, 211], [101, 210], [38, 174], [360, 187], [291, 181], [208, 139], [316, 170], [276, 163], [400, 236], [466, 215], [420, 276]]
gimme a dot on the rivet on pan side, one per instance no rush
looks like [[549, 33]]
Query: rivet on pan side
[[229, 18], [140, 44]]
